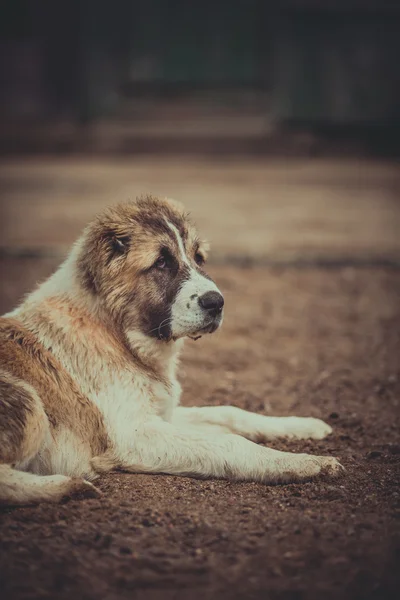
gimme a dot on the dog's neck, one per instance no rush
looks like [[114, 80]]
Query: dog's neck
[[156, 353], [66, 318]]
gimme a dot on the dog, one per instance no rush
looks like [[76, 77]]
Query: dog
[[89, 361]]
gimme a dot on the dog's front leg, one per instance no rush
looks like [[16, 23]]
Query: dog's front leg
[[258, 428], [161, 447]]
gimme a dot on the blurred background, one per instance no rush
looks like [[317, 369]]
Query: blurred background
[[195, 74], [277, 124]]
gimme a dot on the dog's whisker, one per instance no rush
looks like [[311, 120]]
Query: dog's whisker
[[163, 322]]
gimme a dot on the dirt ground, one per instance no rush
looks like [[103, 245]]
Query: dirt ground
[[264, 210], [312, 341]]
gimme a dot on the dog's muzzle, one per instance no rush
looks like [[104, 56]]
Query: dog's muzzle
[[212, 304]]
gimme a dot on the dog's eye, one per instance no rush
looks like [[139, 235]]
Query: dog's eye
[[161, 263], [199, 259]]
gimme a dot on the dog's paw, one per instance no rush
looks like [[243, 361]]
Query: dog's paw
[[305, 428], [310, 466], [305, 467], [288, 467], [330, 466], [82, 488]]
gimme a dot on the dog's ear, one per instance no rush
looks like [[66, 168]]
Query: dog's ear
[[116, 243], [120, 243]]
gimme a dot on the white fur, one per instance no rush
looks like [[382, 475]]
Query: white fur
[[187, 316], [190, 321], [180, 243], [18, 487], [257, 428], [162, 447], [148, 430]]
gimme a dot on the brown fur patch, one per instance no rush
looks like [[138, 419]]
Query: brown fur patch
[[25, 358], [22, 420], [97, 339]]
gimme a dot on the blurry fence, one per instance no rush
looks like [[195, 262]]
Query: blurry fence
[[297, 61]]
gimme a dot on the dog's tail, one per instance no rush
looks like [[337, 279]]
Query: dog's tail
[[18, 487]]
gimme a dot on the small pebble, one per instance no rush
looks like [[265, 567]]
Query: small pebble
[[394, 448], [374, 454]]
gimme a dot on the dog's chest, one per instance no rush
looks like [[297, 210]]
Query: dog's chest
[[128, 401]]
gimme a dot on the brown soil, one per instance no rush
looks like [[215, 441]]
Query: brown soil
[[314, 342], [263, 210]]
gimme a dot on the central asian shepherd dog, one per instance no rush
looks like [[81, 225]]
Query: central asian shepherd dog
[[89, 364]]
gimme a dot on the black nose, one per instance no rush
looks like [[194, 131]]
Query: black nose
[[212, 302]]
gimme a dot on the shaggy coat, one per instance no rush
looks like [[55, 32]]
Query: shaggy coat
[[88, 369]]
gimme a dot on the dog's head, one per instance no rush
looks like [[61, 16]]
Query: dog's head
[[144, 263]]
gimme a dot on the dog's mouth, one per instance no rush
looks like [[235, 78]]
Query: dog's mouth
[[209, 328]]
